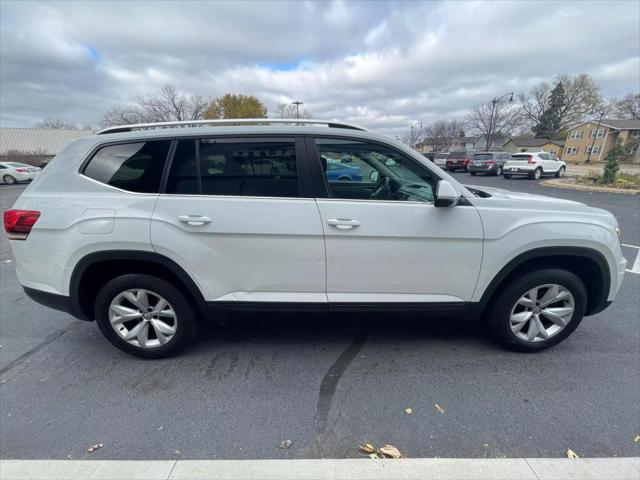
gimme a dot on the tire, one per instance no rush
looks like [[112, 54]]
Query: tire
[[507, 176], [9, 180], [537, 174], [473, 174], [344, 179], [507, 304], [498, 171], [560, 173], [184, 322]]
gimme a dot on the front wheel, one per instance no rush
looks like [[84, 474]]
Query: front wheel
[[560, 173], [473, 174], [538, 310], [145, 316]]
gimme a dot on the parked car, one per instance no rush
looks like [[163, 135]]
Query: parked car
[[458, 161], [343, 173], [150, 230], [489, 163], [14, 172], [534, 165], [441, 159], [429, 155]]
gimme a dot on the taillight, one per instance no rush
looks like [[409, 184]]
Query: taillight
[[531, 160], [489, 162], [466, 161], [18, 223], [21, 170]]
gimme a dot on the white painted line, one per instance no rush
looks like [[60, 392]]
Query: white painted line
[[636, 265], [326, 469], [630, 246]]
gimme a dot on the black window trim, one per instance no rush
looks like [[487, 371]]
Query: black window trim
[[304, 190]]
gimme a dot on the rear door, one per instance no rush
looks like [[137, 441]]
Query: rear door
[[237, 214], [386, 242]]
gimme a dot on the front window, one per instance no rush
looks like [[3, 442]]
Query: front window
[[576, 135], [597, 133], [382, 173]]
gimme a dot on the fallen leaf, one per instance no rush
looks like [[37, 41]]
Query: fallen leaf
[[439, 408], [374, 456], [572, 454], [368, 448], [95, 447], [408, 411], [390, 451], [286, 444], [637, 439]]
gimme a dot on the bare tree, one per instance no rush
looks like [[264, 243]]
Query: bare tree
[[287, 110], [56, 124], [628, 107], [493, 118], [581, 96], [441, 134], [166, 106], [413, 136]]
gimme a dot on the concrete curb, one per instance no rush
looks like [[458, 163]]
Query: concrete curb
[[325, 469], [586, 188]]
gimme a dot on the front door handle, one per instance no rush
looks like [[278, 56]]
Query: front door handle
[[195, 220], [343, 223]]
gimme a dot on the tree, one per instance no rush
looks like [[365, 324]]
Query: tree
[[628, 107], [413, 136], [287, 110], [549, 123], [56, 124], [235, 106], [582, 96], [166, 106], [611, 167], [493, 118], [441, 134]]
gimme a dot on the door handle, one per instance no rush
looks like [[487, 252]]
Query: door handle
[[195, 220], [343, 223]]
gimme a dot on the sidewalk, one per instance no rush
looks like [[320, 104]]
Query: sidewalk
[[585, 169], [358, 469]]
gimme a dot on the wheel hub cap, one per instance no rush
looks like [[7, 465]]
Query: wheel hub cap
[[143, 318], [541, 312]]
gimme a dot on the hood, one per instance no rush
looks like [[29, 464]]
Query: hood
[[509, 195]]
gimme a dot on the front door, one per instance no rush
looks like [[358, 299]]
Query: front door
[[233, 214], [385, 239]]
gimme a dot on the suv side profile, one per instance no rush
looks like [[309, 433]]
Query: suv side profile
[[534, 165], [150, 230], [489, 163]]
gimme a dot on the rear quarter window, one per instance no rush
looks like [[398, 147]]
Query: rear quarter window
[[135, 167]]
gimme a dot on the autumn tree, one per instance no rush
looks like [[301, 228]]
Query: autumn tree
[[168, 105], [581, 96], [235, 106]]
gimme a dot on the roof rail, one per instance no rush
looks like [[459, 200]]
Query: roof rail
[[229, 121]]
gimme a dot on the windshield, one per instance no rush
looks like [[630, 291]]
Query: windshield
[[458, 155], [483, 156]]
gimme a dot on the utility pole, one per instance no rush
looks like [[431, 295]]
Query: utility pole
[[595, 135], [492, 117], [297, 104]]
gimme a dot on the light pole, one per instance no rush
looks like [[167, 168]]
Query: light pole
[[411, 138], [596, 134], [297, 104], [492, 118]]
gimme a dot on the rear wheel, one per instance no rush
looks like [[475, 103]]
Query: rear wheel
[[9, 180], [498, 171], [473, 174], [538, 310], [145, 316], [560, 173], [537, 173], [506, 175]]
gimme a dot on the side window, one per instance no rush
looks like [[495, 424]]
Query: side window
[[2, 167], [136, 167], [213, 166], [368, 171]]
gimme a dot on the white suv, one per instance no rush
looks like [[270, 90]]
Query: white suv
[[150, 230], [534, 165]]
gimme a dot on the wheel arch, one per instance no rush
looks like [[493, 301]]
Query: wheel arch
[[588, 264], [95, 269]]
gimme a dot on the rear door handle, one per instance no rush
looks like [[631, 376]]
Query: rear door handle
[[343, 223], [195, 220]]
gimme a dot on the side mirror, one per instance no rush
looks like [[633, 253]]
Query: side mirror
[[390, 162], [446, 194], [374, 176]]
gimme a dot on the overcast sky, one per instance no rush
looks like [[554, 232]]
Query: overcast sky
[[379, 64]]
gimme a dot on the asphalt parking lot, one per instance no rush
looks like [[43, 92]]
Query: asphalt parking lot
[[325, 383]]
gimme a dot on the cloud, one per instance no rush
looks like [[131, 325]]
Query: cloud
[[378, 64]]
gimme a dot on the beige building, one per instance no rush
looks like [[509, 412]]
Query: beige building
[[527, 144], [589, 137]]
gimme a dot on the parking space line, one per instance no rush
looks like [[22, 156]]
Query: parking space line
[[636, 265], [630, 246]]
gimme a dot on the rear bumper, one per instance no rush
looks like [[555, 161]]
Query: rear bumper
[[55, 301], [483, 168], [519, 170]]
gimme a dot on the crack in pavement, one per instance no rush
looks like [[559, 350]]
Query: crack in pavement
[[54, 336], [332, 377]]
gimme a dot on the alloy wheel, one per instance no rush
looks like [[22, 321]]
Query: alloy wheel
[[143, 318], [541, 312], [9, 180]]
